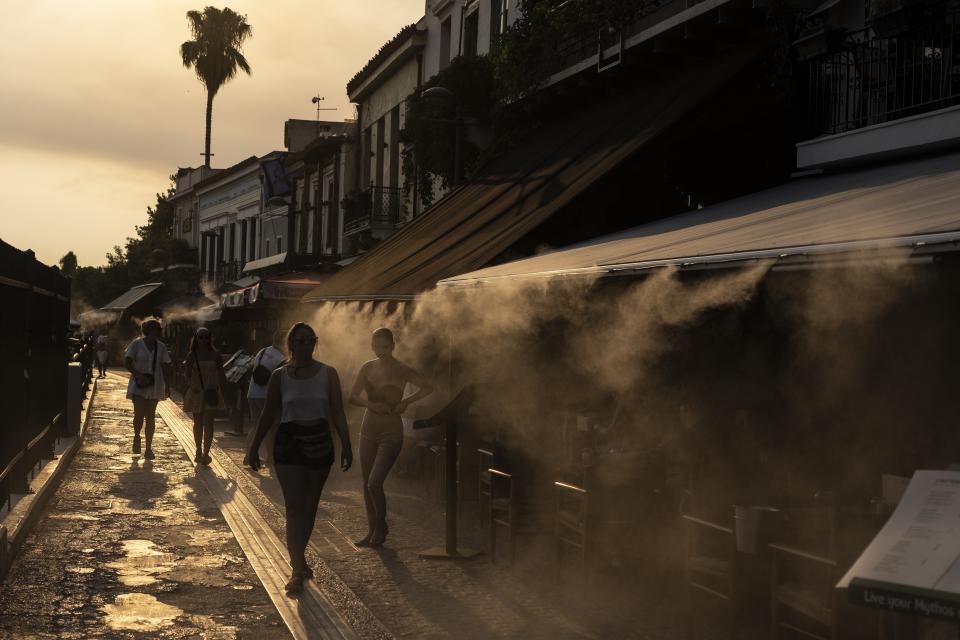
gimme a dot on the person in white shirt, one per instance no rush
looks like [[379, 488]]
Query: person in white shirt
[[270, 358], [148, 362]]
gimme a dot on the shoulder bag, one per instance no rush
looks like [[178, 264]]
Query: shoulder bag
[[261, 374], [211, 397], [147, 379]]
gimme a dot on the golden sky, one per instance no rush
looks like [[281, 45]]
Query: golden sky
[[97, 109]]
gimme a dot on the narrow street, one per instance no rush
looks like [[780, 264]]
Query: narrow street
[[133, 548]]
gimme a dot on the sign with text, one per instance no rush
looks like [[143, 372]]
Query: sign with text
[[912, 565]]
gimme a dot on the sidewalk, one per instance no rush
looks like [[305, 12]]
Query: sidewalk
[[129, 548], [418, 598]]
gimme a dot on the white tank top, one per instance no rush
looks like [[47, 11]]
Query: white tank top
[[305, 402]]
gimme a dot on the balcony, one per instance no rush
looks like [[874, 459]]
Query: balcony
[[373, 209], [225, 272], [874, 98], [871, 81], [658, 27]]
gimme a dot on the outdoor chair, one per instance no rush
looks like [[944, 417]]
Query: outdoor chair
[[803, 597], [571, 526], [509, 510], [711, 568], [485, 457]]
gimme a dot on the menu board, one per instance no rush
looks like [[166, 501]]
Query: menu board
[[913, 564]]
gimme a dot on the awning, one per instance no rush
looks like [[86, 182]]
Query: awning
[[263, 263], [525, 187], [243, 282], [913, 206], [131, 297], [290, 286]]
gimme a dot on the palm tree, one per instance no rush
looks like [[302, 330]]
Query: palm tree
[[214, 53]]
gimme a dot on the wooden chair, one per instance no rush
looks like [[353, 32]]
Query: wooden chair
[[711, 567], [571, 526], [803, 598], [508, 510], [485, 457]]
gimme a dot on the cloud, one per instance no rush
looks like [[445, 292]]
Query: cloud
[[101, 84]]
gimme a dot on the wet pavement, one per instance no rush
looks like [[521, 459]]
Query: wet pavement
[[133, 549], [412, 597], [130, 548]]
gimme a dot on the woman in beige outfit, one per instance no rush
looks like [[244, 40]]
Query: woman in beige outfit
[[204, 396]]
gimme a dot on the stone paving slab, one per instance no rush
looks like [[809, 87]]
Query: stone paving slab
[[129, 549], [414, 597]]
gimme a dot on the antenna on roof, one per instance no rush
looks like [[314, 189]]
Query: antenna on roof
[[317, 99]]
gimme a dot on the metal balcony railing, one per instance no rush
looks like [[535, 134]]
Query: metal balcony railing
[[227, 272], [376, 208], [874, 80]]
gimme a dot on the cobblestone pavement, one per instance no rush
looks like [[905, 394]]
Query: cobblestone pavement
[[128, 548], [419, 598]]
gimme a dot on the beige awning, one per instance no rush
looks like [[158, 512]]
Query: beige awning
[[912, 205]]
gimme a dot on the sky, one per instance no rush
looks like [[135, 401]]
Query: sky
[[97, 109]]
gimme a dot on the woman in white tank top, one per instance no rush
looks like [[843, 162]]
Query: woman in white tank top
[[307, 395]]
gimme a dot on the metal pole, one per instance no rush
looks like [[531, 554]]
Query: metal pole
[[457, 123], [450, 442]]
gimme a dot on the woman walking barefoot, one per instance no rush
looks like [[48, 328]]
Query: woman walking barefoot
[[307, 395], [148, 362], [204, 395], [381, 432]]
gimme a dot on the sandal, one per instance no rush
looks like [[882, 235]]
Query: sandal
[[295, 583], [380, 537], [364, 541]]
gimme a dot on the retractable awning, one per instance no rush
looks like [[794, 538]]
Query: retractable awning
[[522, 189], [263, 263], [910, 206], [131, 297], [290, 286]]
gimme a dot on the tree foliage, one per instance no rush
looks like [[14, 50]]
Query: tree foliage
[[547, 31], [153, 246], [428, 155], [68, 264]]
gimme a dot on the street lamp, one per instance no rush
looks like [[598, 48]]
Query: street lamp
[[443, 96]]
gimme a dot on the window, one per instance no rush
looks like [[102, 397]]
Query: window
[[471, 32], [279, 244], [381, 144], [243, 242], [445, 43], [366, 155], [253, 238], [267, 248], [498, 20]]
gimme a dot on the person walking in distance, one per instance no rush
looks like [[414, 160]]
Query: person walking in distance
[[266, 360], [148, 362], [307, 395], [381, 432], [102, 351], [204, 397]]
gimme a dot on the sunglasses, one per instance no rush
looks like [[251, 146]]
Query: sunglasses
[[304, 341]]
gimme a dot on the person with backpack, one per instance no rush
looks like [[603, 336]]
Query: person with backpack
[[267, 359], [204, 397]]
